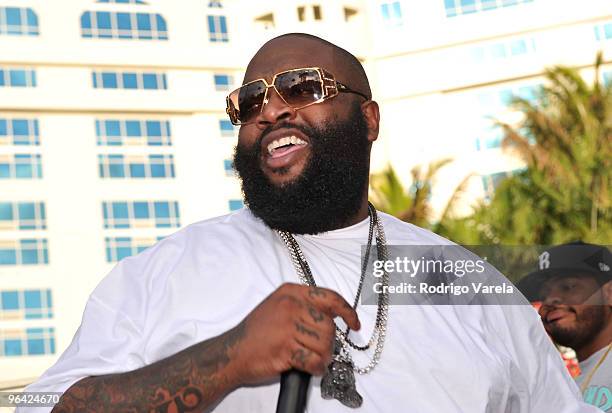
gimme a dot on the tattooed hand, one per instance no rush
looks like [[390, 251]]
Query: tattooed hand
[[292, 328]]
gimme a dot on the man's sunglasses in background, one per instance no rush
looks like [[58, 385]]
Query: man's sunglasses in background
[[298, 88]]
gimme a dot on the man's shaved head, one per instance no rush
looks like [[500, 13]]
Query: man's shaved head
[[312, 51]]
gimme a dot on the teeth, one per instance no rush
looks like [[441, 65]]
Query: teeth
[[294, 140]]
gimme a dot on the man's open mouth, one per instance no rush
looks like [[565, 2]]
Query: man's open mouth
[[284, 146]]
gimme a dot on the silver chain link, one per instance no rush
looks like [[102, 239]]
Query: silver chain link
[[382, 314]]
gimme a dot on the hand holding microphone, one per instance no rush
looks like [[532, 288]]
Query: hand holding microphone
[[292, 328], [293, 392]]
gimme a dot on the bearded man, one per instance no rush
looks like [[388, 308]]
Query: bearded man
[[209, 318], [573, 283]]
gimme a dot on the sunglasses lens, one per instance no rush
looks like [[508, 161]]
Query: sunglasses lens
[[299, 87], [245, 102]]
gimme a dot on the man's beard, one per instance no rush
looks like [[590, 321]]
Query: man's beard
[[330, 189], [589, 322]]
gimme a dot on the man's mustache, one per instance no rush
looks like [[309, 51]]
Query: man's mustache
[[550, 308], [283, 125]]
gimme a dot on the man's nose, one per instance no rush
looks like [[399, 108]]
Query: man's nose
[[275, 109], [553, 297]]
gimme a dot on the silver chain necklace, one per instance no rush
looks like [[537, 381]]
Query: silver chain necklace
[[339, 380]]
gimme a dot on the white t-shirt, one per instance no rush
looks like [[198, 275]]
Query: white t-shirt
[[204, 279], [599, 390]]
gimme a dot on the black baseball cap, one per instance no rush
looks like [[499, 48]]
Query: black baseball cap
[[571, 259]]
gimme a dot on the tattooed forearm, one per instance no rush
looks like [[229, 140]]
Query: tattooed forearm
[[188, 381]]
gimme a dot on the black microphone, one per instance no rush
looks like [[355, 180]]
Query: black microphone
[[293, 392]]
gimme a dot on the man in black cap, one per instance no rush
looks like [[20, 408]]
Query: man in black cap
[[573, 284]]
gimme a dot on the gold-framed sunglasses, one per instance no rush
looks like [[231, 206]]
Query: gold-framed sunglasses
[[298, 88]]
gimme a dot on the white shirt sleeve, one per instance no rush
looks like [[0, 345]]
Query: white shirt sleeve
[[554, 389], [109, 337]]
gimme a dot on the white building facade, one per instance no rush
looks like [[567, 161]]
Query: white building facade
[[113, 132]]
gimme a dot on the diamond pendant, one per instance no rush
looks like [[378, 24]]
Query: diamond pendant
[[339, 383]]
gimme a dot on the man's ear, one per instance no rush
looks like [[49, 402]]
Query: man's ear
[[370, 110], [606, 291]]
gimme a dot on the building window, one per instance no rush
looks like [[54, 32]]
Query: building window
[[603, 31], [25, 304], [459, 7], [223, 82], [113, 25], [228, 165], [235, 204], [216, 4], [122, 1], [350, 13], [265, 21], [18, 21], [492, 139], [491, 182], [217, 29], [19, 132], [22, 215], [141, 214], [24, 252], [20, 166], [17, 77], [498, 100], [120, 132], [503, 50], [392, 13], [129, 80], [128, 166], [27, 342], [226, 128], [118, 248], [309, 13]]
